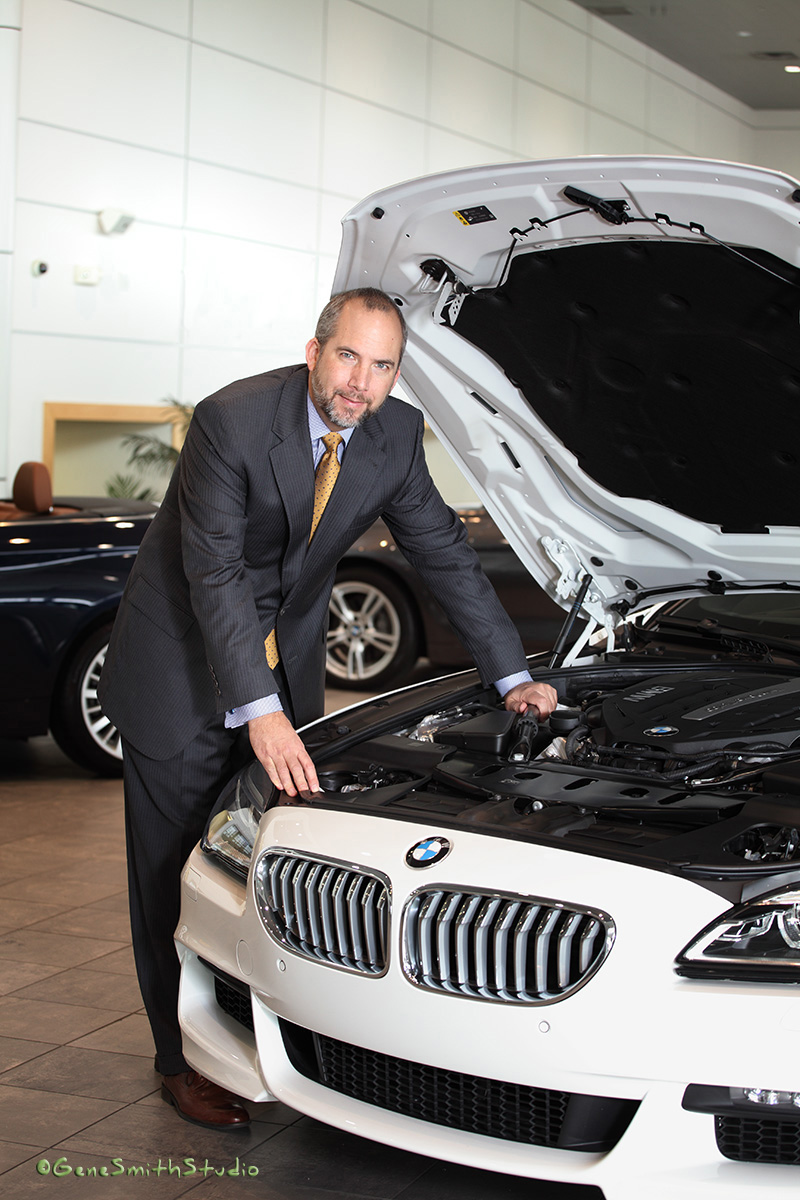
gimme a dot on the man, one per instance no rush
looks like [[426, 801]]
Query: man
[[218, 649]]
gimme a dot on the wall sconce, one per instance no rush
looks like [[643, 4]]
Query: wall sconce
[[114, 220]]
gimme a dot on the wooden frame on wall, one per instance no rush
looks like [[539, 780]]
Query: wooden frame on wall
[[136, 414]]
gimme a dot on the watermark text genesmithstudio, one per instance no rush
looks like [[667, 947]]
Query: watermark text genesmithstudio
[[184, 1168]]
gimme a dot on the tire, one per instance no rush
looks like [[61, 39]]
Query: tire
[[76, 721], [373, 634]]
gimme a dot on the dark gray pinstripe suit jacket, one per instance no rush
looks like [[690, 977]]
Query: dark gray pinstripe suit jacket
[[227, 557]]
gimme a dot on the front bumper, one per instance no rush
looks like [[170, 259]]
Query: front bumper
[[634, 1033]]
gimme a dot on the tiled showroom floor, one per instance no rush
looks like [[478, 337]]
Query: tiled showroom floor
[[77, 1085]]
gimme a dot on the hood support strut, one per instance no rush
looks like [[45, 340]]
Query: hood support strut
[[559, 650]]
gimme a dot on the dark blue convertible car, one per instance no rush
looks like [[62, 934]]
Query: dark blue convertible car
[[63, 566]]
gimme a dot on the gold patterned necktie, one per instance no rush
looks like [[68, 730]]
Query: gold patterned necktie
[[324, 479]]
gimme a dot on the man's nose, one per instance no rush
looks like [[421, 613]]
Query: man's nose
[[359, 377]]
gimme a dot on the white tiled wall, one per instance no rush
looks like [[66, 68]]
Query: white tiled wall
[[9, 56], [672, 112], [171, 15], [249, 206], [361, 145], [778, 141], [547, 121], [239, 132], [449, 150], [253, 117], [618, 86], [553, 52], [138, 297], [288, 35], [9, 62], [486, 32], [243, 295], [381, 60], [62, 169], [114, 77]]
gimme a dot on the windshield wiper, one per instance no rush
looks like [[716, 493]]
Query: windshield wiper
[[729, 637]]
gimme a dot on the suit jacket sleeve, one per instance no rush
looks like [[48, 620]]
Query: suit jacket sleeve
[[212, 496], [434, 540]]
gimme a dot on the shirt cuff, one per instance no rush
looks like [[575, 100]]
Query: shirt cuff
[[509, 681], [235, 717]]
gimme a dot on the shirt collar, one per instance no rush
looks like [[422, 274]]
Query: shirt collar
[[317, 427]]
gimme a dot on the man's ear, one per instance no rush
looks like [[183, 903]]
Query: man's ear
[[312, 354]]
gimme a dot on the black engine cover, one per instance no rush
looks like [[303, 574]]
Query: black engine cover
[[688, 714]]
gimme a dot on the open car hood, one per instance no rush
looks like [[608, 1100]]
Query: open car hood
[[610, 347]]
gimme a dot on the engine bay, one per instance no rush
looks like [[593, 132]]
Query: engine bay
[[695, 771]]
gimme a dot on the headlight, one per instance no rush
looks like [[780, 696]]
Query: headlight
[[232, 827], [758, 941], [752, 1101]]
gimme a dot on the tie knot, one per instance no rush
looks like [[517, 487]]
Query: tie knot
[[331, 441]]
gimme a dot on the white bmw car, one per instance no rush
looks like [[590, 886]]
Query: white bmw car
[[567, 951]]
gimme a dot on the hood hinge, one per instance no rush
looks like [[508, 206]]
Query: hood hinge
[[571, 573]]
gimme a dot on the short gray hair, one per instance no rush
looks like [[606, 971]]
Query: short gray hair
[[373, 299]]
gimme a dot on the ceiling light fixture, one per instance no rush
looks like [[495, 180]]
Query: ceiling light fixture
[[792, 69]]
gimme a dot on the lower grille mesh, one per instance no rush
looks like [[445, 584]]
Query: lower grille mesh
[[501, 1110], [233, 1001], [757, 1139], [491, 1107]]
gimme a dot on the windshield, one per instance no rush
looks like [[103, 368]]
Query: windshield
[[757, 614]]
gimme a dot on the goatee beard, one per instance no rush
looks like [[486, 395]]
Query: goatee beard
[[342, 420]]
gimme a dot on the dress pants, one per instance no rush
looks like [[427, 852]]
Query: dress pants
[[167, 804]]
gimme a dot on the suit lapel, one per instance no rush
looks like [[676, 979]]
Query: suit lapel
[[293, 465]]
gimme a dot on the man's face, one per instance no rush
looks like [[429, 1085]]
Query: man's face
[[353, 373]]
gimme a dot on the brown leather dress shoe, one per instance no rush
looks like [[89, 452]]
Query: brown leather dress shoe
[[202, 1102]]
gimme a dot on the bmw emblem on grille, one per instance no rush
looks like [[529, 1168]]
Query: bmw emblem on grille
[[425, 854]]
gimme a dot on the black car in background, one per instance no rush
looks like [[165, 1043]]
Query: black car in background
[[383, 618], [63, 567]]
